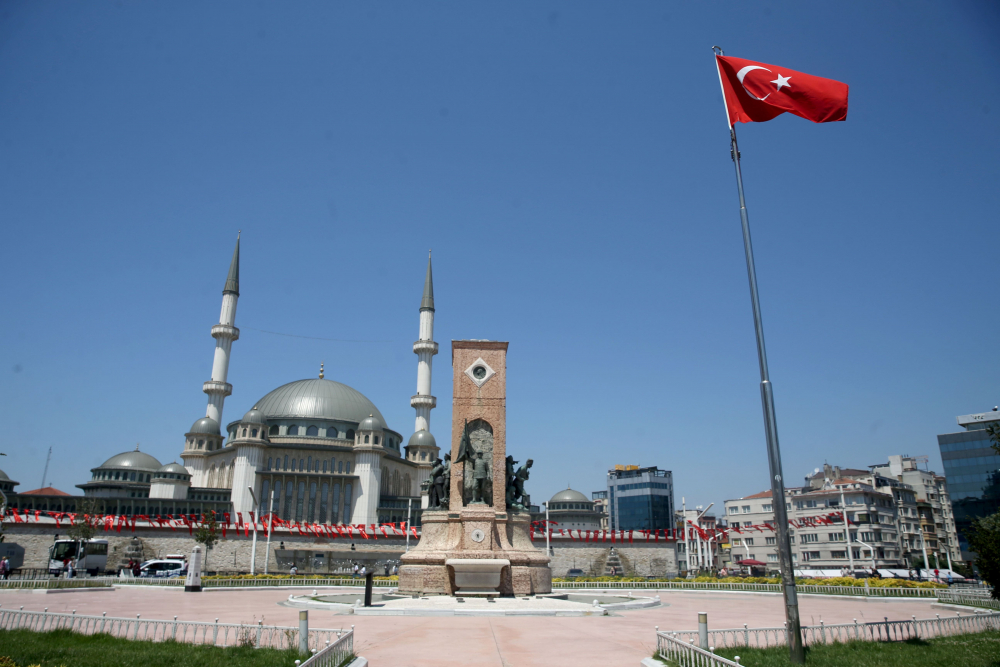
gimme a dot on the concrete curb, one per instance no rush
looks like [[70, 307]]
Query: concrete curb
[[358, 662]]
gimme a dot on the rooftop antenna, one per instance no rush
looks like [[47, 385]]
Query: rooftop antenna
[[45, 473]]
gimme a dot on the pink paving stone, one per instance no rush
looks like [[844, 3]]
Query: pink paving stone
[[408, 641]]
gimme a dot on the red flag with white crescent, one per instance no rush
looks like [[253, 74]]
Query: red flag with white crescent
[[757, 92]]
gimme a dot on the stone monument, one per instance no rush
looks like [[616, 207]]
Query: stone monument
[[475, 533]]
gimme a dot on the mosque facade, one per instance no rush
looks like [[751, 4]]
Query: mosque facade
[[311, 450]]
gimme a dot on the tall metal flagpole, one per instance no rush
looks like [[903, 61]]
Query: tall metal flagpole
[[793, 625]]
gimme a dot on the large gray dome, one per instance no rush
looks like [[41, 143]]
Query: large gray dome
[[134, 460], [317, 399], [569, 496]]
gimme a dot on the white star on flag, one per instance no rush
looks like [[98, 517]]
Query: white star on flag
[[782, 81]]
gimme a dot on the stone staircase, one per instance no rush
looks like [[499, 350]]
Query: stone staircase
[[613, 561]]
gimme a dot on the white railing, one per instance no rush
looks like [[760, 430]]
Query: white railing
[[687, 654], [258, 583], [90, 582], [192, 632], [974, 597], [333, 655], [872, 591], [823, 633]]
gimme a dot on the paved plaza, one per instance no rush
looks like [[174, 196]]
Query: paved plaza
[[511, 641]]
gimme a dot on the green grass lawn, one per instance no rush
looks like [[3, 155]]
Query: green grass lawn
[[64, 648], [975, 650]]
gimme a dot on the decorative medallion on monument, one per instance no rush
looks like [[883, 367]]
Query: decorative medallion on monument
[[475, 536]]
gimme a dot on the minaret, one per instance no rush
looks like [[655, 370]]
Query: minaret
[[422, 448], [224, 334]]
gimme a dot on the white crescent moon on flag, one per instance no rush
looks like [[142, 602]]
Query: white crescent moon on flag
[[743, 72]]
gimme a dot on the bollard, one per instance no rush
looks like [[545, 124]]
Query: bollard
[[736, 659], [703, 630], [369, 580], [303, 632]]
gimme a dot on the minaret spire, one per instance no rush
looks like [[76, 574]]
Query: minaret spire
[[224, 333], [233, 279], [427, 302], [421, 447]]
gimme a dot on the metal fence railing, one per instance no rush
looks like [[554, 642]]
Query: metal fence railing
[[334, 654], [687, 654], [192, 632], [974, 597], [872, 591], [92, 582], [823, 633]]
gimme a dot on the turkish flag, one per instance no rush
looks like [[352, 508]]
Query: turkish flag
[[756, 92]]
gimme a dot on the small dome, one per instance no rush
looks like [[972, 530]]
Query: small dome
[[569, 496], [3, 475], [206, 425], [176, 468], [255, 416], [370, 423], [136, 460], [422, 438]]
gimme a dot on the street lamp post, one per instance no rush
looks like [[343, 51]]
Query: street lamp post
[[270, 528], [548, 549], [409, 505], [253, 549]]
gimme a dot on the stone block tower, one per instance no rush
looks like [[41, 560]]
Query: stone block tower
[[476, 525]]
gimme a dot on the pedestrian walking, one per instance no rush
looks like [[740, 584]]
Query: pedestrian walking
[[4, 568]]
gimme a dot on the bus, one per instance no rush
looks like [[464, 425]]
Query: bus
[[90, 556]]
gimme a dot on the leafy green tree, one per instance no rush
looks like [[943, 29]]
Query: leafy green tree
[[984, 541], [207, 534], [84, 527], [993, 430]]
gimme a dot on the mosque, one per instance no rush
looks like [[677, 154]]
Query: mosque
[[311, 450]]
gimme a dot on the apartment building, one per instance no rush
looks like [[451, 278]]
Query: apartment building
[[882, 515]]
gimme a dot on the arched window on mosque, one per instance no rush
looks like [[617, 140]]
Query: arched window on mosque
[[286, 462], [331, 432], [376, 439], [309, 465], [350, 434], [244, 433], [312, 430], [324, 465], [273, 430], [253, 433], [340, 466], [366, 439], [293, 430]]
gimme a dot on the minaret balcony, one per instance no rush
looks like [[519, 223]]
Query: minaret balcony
[[425, 346], [214, 387], [224, 331], [421, 401]]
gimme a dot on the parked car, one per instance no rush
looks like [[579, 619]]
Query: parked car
[[163, 568], [574, 573]]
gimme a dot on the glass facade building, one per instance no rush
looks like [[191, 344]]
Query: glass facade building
[[640, 498], [972, 469]]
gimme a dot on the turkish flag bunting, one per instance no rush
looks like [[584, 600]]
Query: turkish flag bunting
[[756, 92]]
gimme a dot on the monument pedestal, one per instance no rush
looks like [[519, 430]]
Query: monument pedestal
[[476, 532]]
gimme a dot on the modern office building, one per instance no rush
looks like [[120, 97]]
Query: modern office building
[[640, 498], [972, 471]]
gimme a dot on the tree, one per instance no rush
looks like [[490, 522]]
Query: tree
[[984, 541], [83, 527], [993, 430], [207, 534]]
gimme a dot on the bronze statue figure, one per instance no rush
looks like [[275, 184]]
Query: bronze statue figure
[[520, 477], [509, 481], [436, 490], [480, 475]]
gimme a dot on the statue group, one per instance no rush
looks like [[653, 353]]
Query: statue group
[[439, 487]]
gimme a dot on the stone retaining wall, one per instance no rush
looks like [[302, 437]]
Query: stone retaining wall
[[233, 553]]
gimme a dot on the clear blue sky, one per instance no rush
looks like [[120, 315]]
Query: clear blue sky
[[568, 164]]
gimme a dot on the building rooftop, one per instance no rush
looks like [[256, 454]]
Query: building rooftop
[[44, 491]]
